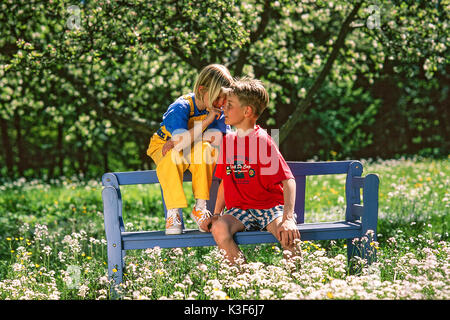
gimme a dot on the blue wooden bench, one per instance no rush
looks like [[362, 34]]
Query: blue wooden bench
[[359, 218]]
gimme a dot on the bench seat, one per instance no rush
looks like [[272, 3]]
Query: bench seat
[[195, 238]]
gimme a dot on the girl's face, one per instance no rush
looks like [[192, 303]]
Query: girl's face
[[219, 102]]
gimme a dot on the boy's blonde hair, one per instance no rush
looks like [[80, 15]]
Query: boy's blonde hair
[[250, 92], [215, 78]]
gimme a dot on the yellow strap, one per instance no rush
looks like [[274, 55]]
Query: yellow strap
[[164, 132], [191, 104]]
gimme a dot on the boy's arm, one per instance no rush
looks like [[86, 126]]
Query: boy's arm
[[220, 205], [288, 232], [289, 189], [220, 200]]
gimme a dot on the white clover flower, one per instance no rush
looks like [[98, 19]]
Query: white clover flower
[[192, 295], [103, 280], [266, 294], [202, 267], [177, 251], [187, 281], [179, 286], [83, 290], [47, 250], [40, 232], [18, 267], [218, 295], [178, 295]]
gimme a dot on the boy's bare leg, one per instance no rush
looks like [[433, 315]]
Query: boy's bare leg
[[223, 230]]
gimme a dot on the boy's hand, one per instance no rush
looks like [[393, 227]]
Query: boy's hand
[[209, 222], [288, 232], [167, 147]]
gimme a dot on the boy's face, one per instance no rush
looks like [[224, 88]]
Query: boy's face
[[233, 111]]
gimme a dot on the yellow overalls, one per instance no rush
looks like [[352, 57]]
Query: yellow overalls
[[171, 167]]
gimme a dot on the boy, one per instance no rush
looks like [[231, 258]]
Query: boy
[[257, 185]]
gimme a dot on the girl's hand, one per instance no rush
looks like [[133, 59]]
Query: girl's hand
[[214, 113], [167, 147]]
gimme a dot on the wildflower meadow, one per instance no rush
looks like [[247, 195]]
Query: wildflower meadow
[[52, 244]]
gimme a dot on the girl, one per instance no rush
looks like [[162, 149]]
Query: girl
[[177, 132]]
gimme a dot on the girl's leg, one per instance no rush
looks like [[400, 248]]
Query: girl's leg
[[203, 162], [155, 146], [223, 230], [170, 171], [202, 168]]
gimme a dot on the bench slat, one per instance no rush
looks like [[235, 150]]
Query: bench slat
[[195, 238], [319, 168], [142, 177], [297, 168]]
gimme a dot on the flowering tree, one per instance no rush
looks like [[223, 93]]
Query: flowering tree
[[87, 81]]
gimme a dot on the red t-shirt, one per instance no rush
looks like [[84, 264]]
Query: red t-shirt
[[252, 169]]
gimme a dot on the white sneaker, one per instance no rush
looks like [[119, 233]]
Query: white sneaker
[[173, 222]]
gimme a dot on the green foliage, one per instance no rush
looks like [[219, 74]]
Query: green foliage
[[84, 84]]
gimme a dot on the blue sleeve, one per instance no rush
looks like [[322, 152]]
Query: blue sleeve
[[220, 124], [177, 116]]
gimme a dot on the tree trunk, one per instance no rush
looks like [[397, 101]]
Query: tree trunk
[[60, 150], [105, 158], [19, 143], [6, 142], [295, 117]]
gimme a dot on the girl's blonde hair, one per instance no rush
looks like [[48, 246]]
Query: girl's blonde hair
[[214, 78]]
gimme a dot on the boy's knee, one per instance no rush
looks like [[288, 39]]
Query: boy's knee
[[221, 231]]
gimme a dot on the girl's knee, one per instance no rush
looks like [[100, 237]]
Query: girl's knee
[[201, 146], [171, 162]]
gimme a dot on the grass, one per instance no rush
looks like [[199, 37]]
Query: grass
[[52, 244]]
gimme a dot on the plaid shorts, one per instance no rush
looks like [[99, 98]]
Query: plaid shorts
[[256, 219]]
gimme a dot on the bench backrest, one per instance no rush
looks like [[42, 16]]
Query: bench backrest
[[300, 170]]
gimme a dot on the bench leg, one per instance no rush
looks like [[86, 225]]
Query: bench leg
[[370, 215], [113, 235]]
